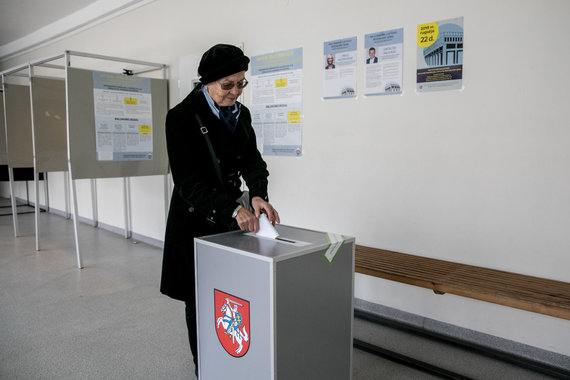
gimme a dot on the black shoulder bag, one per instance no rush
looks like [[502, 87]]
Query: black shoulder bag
[[243, 200], [204, 131]]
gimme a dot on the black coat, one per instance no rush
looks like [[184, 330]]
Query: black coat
[[200, 205]]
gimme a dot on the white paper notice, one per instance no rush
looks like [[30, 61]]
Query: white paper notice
[[383, 69], [123, 117], [339, 74], [276, 102]]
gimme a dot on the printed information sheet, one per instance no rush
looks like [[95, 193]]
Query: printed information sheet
[[123, 117], [339, 74], [276, 102], [440, 55], [383, 62]]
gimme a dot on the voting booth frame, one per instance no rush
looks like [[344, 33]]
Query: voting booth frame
[[279, 309], [29, 71]]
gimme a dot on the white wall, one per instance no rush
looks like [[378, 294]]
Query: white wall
[[479, 176]]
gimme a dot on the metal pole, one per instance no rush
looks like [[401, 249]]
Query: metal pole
[[75, 217], [27, 194], [66, 191], [15, 69], [10, 170], [46, 191], [72, 184], [13, 200], [127, 206], [94, 202], [116, 59], [36, 174], [42, 62]]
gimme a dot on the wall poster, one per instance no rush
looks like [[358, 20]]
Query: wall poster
[[440, 55], [123, 117], [276, 107], [383, 62], [339, 73]]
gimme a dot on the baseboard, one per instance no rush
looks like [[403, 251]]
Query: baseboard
[[119, 231], [503, 347]]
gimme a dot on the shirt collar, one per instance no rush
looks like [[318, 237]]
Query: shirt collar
[[214, 107]]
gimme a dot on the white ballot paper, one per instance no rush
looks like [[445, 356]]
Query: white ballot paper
[[266, 229]]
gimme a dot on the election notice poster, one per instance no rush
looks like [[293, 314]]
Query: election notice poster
[[339, 74], [383, 62], [276, 105], [123, 117], [440, 55]]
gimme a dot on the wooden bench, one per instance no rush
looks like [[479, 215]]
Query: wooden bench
[[529, 293]]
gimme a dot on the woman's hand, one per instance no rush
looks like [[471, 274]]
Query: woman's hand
[[247, 221], [259, 206]]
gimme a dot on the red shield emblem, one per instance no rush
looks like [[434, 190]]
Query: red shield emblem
[[231, 316]]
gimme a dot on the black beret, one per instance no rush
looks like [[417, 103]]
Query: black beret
[[220, 61]]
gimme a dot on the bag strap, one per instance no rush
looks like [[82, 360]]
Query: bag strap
[[204, 131]]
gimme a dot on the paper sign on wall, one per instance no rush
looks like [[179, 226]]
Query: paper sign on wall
[[123, 117], [339, 73], [440, 55], [276, 102]]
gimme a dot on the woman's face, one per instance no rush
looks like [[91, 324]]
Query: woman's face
[[226, 98]]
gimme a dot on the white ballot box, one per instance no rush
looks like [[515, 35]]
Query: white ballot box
[[278, 309]]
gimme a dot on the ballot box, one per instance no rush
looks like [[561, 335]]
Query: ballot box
[[278, 309]]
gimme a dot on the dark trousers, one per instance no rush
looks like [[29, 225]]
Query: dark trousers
[[192, 333]]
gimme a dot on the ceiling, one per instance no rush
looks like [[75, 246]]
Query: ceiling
[[18, 18], [29, 24]]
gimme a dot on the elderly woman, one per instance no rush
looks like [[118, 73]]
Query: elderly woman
[[211, 146]]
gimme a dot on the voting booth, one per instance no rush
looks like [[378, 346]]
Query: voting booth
[[275, 308], [91, 124]]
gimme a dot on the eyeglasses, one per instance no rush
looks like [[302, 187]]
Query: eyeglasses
[[226, 86]]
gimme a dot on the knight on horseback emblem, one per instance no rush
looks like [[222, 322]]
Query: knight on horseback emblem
[[232, 323]]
